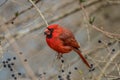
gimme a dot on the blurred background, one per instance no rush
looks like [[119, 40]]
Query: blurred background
[[24, 54]]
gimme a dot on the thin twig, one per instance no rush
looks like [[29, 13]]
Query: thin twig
[[108, 34], [1, 52], [1, 56], [118, 68], [108, 49], [39, 12], [107, 64], [87, 18], [3, 3], [19, 13]]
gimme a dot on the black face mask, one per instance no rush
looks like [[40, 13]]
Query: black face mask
[[50, 35]]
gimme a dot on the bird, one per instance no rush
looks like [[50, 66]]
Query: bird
[[63, 41]]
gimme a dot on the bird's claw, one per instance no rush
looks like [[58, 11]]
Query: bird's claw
[[59, 56]]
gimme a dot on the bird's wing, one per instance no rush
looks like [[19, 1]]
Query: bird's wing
[[68, 39]]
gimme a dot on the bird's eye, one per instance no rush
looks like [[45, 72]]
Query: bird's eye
[[48, 28]]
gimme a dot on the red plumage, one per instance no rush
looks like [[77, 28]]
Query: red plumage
[[63, 41]]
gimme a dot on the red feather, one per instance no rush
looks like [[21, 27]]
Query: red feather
[[63, 41]]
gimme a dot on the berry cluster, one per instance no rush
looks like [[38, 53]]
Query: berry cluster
[[9, 64]]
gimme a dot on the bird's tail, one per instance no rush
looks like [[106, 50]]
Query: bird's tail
[[82, 57]]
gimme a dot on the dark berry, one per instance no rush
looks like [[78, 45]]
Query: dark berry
[[11, 69], [20, 52], [4, 66], [68, 77], [91, 69], [19, 73], [13, 75], [9, 66], [14, 58], [12, 64], [25, 60], [3, 62], [15, 78], [62, 61], [8, 59], [99, 41], [12, 22], [59, 76], [113, 50], [109, 43], [69, 72], [63, 71], [76, 68], [91, 65], [44, 73]]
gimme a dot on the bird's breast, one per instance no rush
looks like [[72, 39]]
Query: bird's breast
[[57, 45]]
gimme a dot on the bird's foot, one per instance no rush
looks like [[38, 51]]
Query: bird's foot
[[59, 56], [92, 68]]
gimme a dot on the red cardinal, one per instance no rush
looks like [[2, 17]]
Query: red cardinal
[[62, 40]]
